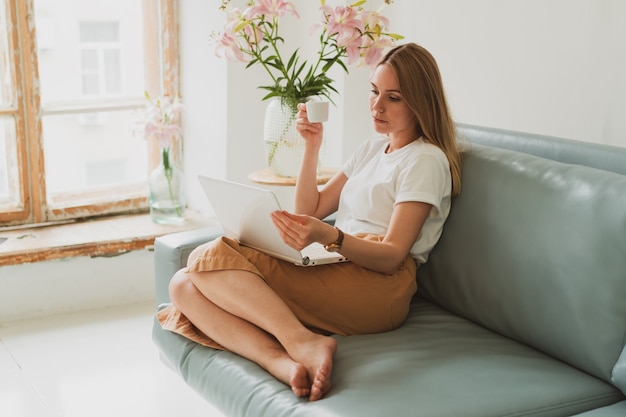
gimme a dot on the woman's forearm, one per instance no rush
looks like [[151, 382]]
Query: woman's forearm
[[307, 194], [379, 256]]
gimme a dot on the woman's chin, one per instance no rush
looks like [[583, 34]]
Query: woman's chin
[[380, 128]]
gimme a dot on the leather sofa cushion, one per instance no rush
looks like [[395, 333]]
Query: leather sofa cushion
[[535, 250], [615, 410], [436, 364]]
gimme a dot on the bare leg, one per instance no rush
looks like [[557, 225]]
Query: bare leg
[[249, 340], [247, 296], [238, 335]]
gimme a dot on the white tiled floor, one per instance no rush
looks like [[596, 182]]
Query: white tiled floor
[[91, 364]]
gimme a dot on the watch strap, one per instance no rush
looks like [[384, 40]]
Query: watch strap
[[336, 245]]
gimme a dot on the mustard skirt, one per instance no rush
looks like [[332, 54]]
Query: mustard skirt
[[342, 298]]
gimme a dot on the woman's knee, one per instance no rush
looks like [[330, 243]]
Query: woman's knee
[[179, 286]]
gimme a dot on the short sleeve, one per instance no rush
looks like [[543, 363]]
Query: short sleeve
[[424, 180]]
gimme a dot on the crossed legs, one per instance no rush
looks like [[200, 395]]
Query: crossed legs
[[238, 310]]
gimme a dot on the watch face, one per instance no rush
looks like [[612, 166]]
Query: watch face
[[332, 248]]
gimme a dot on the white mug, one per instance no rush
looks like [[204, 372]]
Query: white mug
[[317, 111]]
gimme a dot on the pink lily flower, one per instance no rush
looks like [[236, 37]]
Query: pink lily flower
[[163, 134], [374, 22], [228, 47], [373, 49], [344, 22], [273, 8], [170, 108], [353, 48]]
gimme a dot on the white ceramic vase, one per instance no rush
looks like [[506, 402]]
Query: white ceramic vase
[[284, 146]]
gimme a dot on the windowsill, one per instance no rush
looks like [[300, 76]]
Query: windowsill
[[95, 238]]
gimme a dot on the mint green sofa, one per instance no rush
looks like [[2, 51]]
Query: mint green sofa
[[521, 309]]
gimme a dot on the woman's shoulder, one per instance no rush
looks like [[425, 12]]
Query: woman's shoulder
[[424, 153], [426, 148]]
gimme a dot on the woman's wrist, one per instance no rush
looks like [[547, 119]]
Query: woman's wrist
[[335, 245]]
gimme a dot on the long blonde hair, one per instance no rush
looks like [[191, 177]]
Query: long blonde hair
[[422, 90]]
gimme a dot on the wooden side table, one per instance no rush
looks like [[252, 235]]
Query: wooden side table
[[266, 176]]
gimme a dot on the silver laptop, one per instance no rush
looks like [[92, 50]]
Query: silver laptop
[[244, 213]]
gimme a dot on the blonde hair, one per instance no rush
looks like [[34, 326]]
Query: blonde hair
[[422, 90]]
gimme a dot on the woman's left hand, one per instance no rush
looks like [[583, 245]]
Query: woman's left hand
[[298, 231]]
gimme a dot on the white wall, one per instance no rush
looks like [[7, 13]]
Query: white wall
[[551, 67], [75, 284], [554, 67]]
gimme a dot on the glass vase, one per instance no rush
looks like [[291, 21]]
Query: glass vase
[[167, 193]]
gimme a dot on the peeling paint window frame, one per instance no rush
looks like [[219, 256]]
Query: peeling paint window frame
[[24, 110]]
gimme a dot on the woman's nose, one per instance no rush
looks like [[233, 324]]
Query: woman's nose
[[377, 104]]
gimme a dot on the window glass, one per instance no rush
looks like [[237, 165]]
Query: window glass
[[91, 67], [9, 187], [6, 90], [112, 69], [99, 31], [89, 39], [4, 165], [91, 151]]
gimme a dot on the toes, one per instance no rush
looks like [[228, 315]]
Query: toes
[[316, 394], [320, 386], [299, 381]]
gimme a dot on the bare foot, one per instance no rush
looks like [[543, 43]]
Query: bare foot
[[316, 354], [299, 381], [290, 372]]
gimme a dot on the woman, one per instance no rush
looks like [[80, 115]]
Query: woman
[[391, 198]]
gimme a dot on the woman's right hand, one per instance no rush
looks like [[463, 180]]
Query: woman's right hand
[[312, 133]]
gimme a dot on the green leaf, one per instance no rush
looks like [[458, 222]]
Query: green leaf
[[251, 63], [293, 59]]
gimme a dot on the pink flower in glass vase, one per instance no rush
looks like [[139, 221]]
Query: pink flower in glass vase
[[160, 120], [162, 133], [159, 123]]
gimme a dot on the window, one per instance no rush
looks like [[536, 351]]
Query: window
[[72, 75], [100, 51]]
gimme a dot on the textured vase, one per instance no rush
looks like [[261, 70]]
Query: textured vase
[[284, 146], [167, 194]]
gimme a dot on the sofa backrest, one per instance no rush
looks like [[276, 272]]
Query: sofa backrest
[[608, 158], [535, 250]]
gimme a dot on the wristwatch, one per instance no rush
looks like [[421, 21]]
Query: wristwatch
[[336, 245]]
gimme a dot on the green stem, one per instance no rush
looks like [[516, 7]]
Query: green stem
[[255, 49], [167, 168], [272, 39]]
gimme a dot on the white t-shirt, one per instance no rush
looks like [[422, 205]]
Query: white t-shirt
[[377, 181]]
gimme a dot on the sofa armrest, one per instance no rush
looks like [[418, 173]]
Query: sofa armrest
[[171, 252]]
